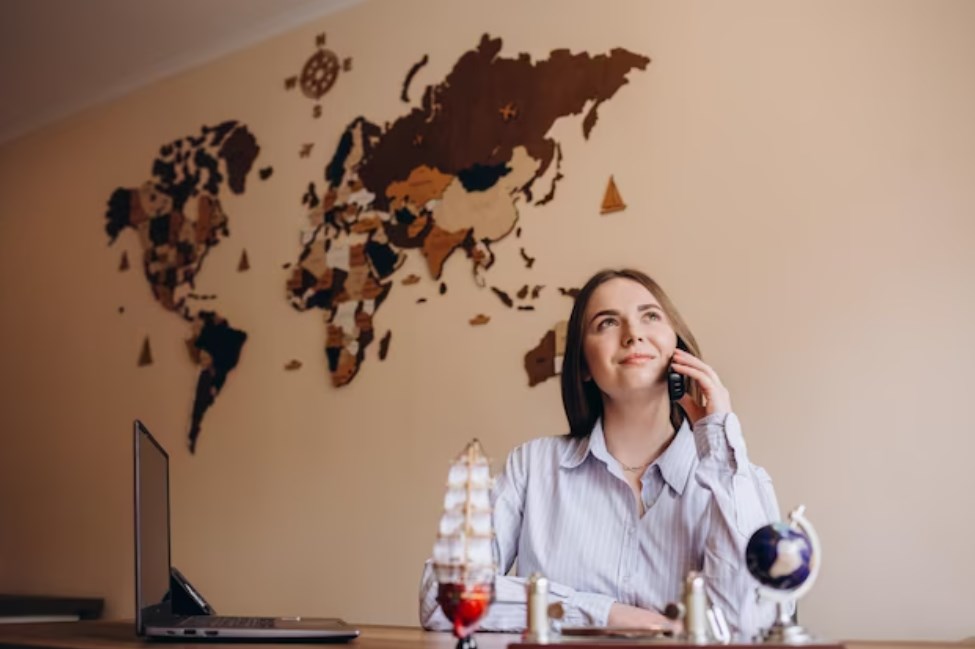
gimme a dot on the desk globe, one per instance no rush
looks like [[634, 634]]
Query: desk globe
[[784, 558]]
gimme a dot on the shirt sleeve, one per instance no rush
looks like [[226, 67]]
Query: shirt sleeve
[[742, 500], [508, 612]]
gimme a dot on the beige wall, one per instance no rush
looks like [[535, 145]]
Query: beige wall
[[799, 176]]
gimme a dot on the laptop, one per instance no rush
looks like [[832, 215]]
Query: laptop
[[166, 605]]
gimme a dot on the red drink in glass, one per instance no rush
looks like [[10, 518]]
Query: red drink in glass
[[464, 605]]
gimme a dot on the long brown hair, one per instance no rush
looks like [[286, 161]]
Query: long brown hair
[[581, 399]]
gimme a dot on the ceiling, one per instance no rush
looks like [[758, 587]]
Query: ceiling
[[58, 57]]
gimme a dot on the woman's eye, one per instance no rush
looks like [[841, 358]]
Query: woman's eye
[[605, 322], [651, 315]]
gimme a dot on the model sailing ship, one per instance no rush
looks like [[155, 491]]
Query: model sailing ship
[[463, 557]]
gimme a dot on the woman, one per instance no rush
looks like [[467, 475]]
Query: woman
[[642, 490]]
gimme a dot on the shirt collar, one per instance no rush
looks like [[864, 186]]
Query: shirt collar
[[675, 465], [677, 462], [592, 444]]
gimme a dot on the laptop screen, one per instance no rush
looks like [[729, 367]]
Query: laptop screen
[[151, 528]]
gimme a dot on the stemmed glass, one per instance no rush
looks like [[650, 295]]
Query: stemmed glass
[[465, 604]]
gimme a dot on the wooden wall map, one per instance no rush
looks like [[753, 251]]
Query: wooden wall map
[[439, 181]]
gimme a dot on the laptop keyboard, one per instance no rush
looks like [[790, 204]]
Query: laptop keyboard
[[229, 622]]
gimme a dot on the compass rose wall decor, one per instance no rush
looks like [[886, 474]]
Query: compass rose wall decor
[[319, 74]]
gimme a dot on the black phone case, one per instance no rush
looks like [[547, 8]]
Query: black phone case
[[677, 383]]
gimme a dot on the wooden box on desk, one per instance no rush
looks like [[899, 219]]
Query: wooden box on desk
[[47, 608]]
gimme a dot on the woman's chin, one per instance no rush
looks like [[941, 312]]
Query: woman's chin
[[639, 389]]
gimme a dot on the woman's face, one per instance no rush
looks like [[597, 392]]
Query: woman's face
[[627, 341]]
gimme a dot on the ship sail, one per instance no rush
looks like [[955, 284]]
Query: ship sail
[[463, 552], [612, 201]]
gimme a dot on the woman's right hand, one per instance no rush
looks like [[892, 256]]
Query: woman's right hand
[[624, 616]]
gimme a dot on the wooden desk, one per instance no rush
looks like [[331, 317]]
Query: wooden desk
[[121, 635]]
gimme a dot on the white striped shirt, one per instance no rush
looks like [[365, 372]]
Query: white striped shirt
[[563, 508]]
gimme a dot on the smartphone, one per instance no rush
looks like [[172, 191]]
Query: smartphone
[[186, 600], [677, 382]]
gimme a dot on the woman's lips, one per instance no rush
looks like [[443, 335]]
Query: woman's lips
[[635, 359]]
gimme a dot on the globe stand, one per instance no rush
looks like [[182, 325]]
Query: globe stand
[[785, 630]]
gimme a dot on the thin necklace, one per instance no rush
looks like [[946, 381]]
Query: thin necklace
[[633, 469]]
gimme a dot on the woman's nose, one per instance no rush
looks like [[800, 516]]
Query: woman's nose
[[630, 336]]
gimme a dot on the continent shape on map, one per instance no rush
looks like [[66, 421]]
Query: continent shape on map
[[444, 177], [178, 217], [544, 361]]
